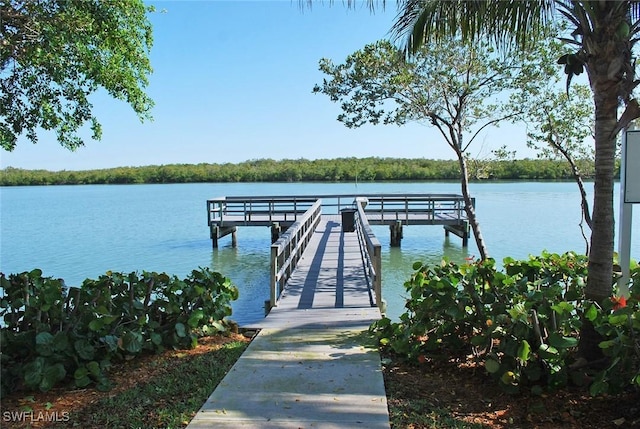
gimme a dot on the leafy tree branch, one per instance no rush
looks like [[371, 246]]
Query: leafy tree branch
[[55, 53]]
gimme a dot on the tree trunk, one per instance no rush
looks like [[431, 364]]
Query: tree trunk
[[606, 85], [468, 207], [600, 280]]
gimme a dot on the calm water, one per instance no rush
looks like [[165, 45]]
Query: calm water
[[78, 232]]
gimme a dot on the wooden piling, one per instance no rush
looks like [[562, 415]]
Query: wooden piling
[[396, 233], [276, 230]]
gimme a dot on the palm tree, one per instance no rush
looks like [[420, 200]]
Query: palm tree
[[602, 41]]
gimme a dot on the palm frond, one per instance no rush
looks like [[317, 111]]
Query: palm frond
[[508, 22]]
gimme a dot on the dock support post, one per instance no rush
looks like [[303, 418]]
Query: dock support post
[[461, 231], [465, 235], [276, 230], [213, 233], [216, 232], [396, 233]]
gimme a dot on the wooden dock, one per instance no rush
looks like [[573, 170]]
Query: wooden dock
[[329, 284], [312, 363]]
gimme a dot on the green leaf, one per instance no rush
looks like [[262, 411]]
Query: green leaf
[[218, 326], [563, 307], [572, 295], [83, 381], [103, 385], [96, 324], [598, 387], [81, 372], [156, 339], [111, 341], [81, 377], [523, 351], [547, 352], [44, 344], [60, 342], [195, 318], [51, 376], [33, 372], [561, 342], [492, 366], [618, 319], [84, 349], [591, 313], [181, 330], [132, 342], [94, 368], [607, 344]]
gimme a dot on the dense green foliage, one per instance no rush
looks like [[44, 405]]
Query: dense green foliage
[[303, 170], [522, 322], [51, 333], [55, 53]]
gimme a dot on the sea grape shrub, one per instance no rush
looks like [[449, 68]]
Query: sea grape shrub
[[446, 304], [31, 307], [52, 333], [618, 322], [521, 322]]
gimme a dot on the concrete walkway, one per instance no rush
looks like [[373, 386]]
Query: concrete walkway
[[312, 364]]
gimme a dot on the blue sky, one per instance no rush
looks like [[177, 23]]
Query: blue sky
[[233, 81]]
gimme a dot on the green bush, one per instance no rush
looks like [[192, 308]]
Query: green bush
[[52, 333], [522, 323]]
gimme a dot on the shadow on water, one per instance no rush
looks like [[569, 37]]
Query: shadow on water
[[248, 268]]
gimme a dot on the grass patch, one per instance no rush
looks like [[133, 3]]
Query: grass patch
[[169, 399], [162, 391], [420, 413]]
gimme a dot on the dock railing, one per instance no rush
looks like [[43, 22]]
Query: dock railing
[[288, 249], [371, 251], [415, 208], [252, 210], [419, 209]]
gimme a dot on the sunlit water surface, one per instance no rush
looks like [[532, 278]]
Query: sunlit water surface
[[78, 232]]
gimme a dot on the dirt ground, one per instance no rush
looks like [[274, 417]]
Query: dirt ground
[[472, 397], [464, 390]]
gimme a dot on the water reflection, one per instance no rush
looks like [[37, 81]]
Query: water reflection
[[247, 265]]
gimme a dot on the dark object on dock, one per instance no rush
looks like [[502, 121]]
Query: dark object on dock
[[348, 219]]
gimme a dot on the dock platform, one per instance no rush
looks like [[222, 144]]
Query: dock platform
[[226, 214]]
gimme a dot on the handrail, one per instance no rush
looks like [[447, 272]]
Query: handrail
[[288, 249], [371, 250], [246, 206]]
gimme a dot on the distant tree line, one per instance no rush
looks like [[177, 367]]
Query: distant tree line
[[370, 169]]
